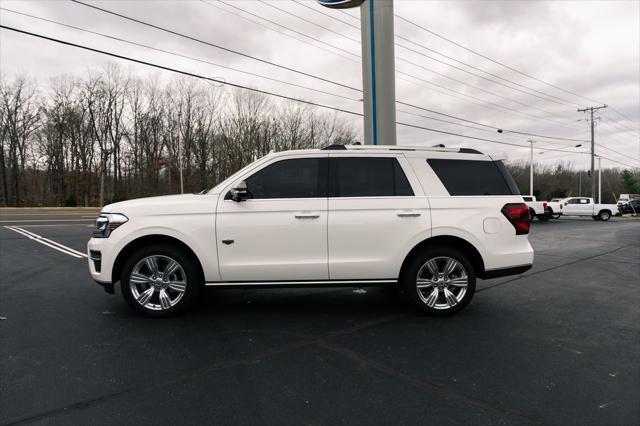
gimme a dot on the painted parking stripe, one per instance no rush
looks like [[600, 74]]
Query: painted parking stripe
[[62, 246], [47, 242]]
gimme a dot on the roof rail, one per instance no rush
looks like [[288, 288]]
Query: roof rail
[[439, 147]]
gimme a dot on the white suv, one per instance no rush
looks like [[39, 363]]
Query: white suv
[[429, 220]]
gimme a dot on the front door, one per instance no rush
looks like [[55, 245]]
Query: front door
[[280, 232]]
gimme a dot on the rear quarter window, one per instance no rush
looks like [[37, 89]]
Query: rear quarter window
[[474, 177]]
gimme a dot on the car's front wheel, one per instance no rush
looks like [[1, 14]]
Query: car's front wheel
[[160, 281], [439, 281]]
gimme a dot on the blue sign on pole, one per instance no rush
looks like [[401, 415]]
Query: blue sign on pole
[[340, 4]]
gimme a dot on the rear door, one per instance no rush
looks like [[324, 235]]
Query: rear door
[[376, 207]]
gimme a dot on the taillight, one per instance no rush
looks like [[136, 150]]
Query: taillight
[[544, 205], [518, 215]]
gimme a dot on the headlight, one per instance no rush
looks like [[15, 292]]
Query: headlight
[[107, 223]]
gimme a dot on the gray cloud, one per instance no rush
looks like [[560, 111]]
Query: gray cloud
[[590, 48]]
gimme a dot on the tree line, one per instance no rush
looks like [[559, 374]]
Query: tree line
[[111, 136]]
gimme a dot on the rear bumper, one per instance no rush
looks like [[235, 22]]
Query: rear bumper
[[504, 272]]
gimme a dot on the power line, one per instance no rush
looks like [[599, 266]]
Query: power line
[[179, 55], [254, 74], [188, 37], [316, 9], [190, 74], [187, 73], [282, 10], [495, 105], [492, 60], [280, 32], [285, 27], [310, 22], [489, 126], [624, 116]]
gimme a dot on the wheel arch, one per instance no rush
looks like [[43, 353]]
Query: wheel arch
[[146, 240], [450, 241]]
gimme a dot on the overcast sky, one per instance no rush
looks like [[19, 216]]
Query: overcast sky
[[590, 48]]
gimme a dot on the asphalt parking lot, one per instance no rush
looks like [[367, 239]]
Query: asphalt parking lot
[[559, 344]]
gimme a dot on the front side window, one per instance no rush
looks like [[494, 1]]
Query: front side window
[[292, 178], [573, 201], [474, 177], [367, 177]]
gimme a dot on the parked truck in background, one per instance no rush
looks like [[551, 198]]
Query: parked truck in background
[[585, 206], [536, 208]]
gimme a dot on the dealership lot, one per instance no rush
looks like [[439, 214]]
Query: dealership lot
[[558, 345]]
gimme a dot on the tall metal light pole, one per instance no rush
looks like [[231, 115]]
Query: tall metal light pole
[[599, 180], [378, 67], [531, 170]]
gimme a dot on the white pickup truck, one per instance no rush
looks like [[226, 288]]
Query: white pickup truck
[[584, 206], [536, 208]]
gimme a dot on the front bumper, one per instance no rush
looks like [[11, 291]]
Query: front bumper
[[100, 258]]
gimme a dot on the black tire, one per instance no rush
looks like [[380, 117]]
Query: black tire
[[556, 216], [532, 214], [414, 266], [189, 268], [604, 215], [543, 217], [595, 217]]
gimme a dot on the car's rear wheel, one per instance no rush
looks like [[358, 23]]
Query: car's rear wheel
[[160, 281], [543, 217], [439, 281], [604, 215], [551, 214]]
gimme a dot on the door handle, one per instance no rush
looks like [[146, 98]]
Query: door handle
[[307, 216], [409, 214]]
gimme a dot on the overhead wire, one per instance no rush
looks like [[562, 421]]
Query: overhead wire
[[265, 92], [122, 40], [226, 49]]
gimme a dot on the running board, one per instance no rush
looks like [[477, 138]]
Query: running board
[[318, 283]]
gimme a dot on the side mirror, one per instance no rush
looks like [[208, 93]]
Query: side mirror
[[566, 203], [239, 192]]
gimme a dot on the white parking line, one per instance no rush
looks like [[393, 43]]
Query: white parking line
[[47, 242]]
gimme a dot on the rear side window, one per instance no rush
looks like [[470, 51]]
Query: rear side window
[[294, 178], [367, 177], [473, 177]]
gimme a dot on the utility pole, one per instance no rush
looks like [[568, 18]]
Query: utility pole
[[580, 183], [531, 169], [593, 150]]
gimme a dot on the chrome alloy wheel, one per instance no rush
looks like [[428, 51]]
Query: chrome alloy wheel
[[442, 282], [158, 282]]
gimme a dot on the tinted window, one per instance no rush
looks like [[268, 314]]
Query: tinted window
[[527, 198], [473, 177], [584, 201], [367, 177], [295, 178], [573, 201]]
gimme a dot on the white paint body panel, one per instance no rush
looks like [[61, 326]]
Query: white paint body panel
[[352, 238]]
